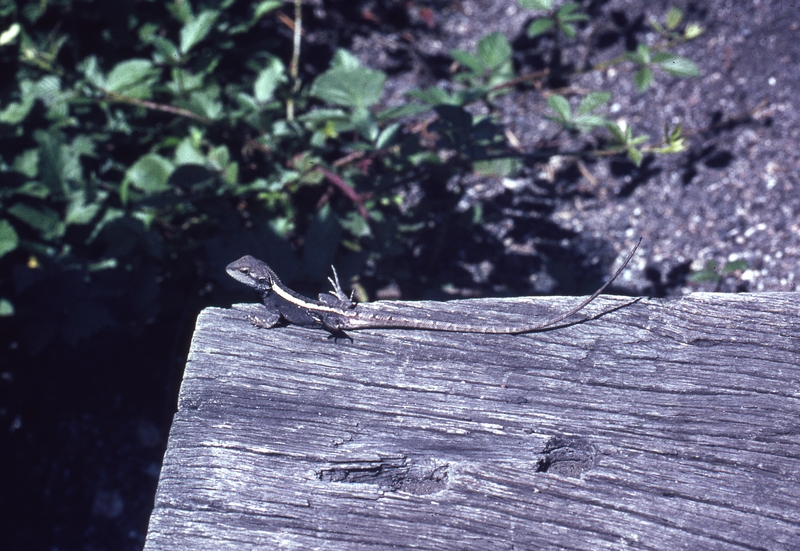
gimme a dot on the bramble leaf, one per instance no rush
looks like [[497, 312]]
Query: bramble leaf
[[540, 26], [9, 240], [592, 101], [349, 86], [150, 173], [643, 78], [734, 266], [133, 78], [268, 79], [560, 105], [680, 67], [494, 50], [674, 18], [197, 29], [44, 219], [536, 4]]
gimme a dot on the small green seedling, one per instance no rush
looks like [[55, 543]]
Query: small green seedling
[[711, 273]]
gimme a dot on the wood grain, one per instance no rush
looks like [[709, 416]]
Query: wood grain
[[660, 425]]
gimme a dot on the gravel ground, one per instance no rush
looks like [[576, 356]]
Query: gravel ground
[[733, 195]]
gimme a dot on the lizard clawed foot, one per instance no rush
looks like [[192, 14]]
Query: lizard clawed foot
[[337, 289]]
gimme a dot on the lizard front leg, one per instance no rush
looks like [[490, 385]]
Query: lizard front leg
[[270, 319]]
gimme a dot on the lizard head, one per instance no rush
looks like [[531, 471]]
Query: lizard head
[[252, 272]]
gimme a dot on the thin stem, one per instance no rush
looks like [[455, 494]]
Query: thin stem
[[294, 68], [118, 98]]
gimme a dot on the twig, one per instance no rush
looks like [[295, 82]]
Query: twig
[[294, 67], [118, 98], [348, 191]]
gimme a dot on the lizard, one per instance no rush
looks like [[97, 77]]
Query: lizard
[[336, 312]]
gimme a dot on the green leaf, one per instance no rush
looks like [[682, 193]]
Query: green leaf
[[616, 131], [268, 79], [167, 51], [404, 110], [560, 105], [133, 78], [498, 167], [263, 8], [230, 175], [33, 189], [592, 101], [565, 13], [355, 224], [10, 34], [693, 30], [91, 70], [80, 210], [324, 115], [187, 154], [468, 60], [43, 219], [536, 4], [567, 9], [108, 217], [344, 60], [204, 103], [150, 173], [6, 308], [635, 155], [643, 78], [9, 240], [674, 18], [105, 264], [707, 274], [197, 29], [219, 157], [661, 57], [657, 26], [16, 112], [680, 67], [675, 143], [640, 56], [433, 96], [27, 163], [349, 86], [387, 135], [589, 120], [59, 163], [494, 50], [568, 30], [181, 10], [734, 266], [540, 26]]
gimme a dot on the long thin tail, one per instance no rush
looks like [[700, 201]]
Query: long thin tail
[[586, 302]]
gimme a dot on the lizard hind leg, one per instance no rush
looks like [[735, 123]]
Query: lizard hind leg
[[337, 292]]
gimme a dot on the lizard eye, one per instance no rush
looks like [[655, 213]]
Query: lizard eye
[[244, 270]]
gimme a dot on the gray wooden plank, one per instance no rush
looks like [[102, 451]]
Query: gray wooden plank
[[663, 424]]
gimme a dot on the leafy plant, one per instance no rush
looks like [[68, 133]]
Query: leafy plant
[[583, 119], [647, 58], [712, 274], [489, 66], [200, 136], [561, 19]]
